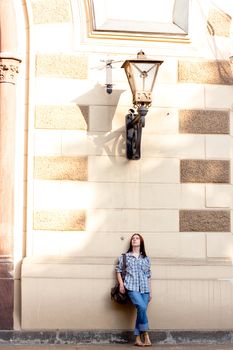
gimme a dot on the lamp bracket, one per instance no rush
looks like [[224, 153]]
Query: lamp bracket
[[134, 124]]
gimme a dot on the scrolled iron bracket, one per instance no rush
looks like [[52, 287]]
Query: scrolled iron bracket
[[134, 124]]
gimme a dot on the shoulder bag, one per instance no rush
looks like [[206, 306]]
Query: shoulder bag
[[116, 295]]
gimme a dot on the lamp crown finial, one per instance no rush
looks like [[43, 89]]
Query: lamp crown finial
[[141, 55]]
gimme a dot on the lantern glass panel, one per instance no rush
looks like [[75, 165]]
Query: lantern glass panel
[[144, 75]]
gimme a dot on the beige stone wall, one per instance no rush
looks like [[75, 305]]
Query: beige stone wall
[[185, 297], [85, 199]]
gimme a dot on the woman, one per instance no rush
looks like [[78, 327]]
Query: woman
[[137, 282]]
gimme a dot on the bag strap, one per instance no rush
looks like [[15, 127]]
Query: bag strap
[[124, 267]]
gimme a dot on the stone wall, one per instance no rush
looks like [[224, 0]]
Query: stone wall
[[86, 199]]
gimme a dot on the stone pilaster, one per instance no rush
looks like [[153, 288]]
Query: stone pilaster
[[9, 64], [8, 73]]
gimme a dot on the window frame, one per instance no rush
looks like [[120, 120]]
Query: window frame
[[175, 31]]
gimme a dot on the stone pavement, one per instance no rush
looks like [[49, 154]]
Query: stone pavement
[[114, 339], [113, 347]]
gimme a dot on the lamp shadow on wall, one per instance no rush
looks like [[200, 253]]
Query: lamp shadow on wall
[[98, 109], [224, 69]]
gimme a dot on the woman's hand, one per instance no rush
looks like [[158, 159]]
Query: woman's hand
[[150, 297], [122, 288]]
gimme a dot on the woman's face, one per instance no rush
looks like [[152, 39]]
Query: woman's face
[[135, 241]]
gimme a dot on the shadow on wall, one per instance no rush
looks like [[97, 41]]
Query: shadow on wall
[[224, 69], [102, 139]]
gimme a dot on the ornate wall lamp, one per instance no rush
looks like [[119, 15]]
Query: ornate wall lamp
[[141, 73]]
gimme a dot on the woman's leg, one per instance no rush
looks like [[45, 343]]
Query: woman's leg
[[140, 301], [146, 337]]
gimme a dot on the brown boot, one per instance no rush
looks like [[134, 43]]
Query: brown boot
[[147, 341], [138, 341]]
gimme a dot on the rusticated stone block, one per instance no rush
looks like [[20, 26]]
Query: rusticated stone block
[[65, 66], [218, 23], [52, 11], [204, 122], [205, 221], [59, 220], [61, 168], [205, 72], [212, 171], [61, 117]]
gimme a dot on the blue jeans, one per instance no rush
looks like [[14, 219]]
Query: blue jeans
[[140, 301]]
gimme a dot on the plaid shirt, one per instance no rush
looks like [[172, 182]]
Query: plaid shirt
[[138, 271]]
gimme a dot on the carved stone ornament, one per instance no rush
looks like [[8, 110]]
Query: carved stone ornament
[[9, 68]]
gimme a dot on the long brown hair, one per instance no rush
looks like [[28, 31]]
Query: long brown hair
[[142, 245]]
